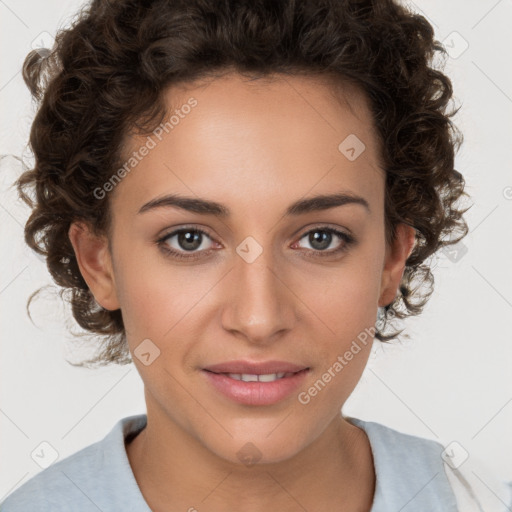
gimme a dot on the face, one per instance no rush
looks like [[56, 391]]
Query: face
[[250, 279]]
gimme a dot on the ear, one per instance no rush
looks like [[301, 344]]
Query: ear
[[94, 260], [394, 265]]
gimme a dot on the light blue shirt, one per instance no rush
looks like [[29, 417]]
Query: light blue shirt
[[410, 476]]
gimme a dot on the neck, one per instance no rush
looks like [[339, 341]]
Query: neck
[[175, 471]]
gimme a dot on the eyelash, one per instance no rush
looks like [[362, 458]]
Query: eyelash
[[347, 239]]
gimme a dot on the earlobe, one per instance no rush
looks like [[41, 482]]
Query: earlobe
[[94, 261], [394, 266]]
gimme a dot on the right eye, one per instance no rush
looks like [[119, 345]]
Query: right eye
[[182, 241]]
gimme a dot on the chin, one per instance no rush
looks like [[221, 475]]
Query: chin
[[257, 448]]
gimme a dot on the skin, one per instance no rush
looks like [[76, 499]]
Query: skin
[[256, 147]]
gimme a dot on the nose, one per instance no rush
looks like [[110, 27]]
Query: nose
[[259, 305]]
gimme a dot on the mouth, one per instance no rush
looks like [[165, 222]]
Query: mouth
[[256, 383], [254, 377], [255, 367]]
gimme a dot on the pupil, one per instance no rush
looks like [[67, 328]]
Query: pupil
[[325, 239], [188, 240]]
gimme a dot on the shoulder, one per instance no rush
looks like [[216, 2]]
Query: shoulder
[[82, 481], [63, 479], [416, 472], [475, 485], [416, 455]]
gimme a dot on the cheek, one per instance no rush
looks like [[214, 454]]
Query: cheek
[[142, 292], [348, 313], [158, 299], [345, 300]]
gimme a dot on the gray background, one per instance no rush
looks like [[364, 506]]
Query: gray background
[[451, 382]]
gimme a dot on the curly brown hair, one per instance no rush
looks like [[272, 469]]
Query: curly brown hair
[[105, 79]]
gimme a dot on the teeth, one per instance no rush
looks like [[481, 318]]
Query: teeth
[[270, 377], [251, 377]]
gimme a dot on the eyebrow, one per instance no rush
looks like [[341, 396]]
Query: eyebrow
[[207, 207]]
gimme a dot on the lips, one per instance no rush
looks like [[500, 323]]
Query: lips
[[261, 383]]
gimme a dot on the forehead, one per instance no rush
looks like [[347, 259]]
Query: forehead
[[258, 140]]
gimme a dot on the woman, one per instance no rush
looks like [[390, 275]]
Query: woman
[[230, 192]]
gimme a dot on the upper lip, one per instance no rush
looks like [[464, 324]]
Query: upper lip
[[255, 368]]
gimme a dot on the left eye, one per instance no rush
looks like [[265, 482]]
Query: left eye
[[320, 239]]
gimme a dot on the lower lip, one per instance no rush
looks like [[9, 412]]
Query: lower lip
[[256, 393]]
